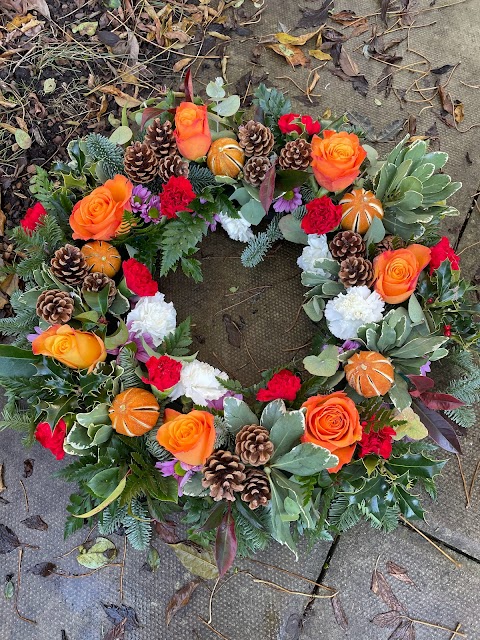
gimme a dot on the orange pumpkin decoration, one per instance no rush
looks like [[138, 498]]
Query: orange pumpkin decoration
[[359, 207], [102, 257], [134, 412], [225, 157], [369, 373]]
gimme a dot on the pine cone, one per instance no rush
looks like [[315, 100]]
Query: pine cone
[[255, 169], [255, 139], [296, 154], [389, 243], [141, 163], [170, 166], [356, 271], [253, 445], [347, 244], [95, 282], [69, 265], [257, 489], [224, 474], [159, 137], [55, 306]]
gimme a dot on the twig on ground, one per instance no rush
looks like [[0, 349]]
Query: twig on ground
[[454, 632], [472, 483], [215, 631], [17, 591], [464, 482], [407, 522], [122, 568], [25, 496], [457, 628]]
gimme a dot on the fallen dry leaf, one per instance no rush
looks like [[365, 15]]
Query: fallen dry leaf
[[381, 588], [181, 64], [318, 54], [286, 38], [18, 21], [339, 613], [398, 572], [293, 55], [38, 5], [120, 97], [347, 65], [458, 111], [9, 285], [219, 36], [180, 599], [2, 483], [3, 219]]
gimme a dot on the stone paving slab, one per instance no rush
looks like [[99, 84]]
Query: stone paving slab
[[444, 595], [58, 603]]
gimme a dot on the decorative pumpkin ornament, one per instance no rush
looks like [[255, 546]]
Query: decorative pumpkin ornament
[[225, 157], [134, 412], [369, 373], [359, 208], [102, 257]]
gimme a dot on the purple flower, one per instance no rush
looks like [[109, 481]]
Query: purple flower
[[349, 344], [425, 368], [141, 354], [152, 211], [289, 201], [31, 336], [218, 404], [181, 471], [139, 199]]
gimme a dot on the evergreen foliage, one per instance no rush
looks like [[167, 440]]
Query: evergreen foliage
[[200, 177], [465, 387], [108, 154], [258, 246]]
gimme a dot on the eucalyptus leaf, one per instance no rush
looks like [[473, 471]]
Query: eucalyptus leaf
[[306, 459], [253, 211], [292, 230], [227, 107], [121, 135]]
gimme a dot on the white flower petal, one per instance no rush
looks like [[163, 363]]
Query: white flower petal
[[346, 313], [236, 228], [317, 249], [198, 381], [152, 316]]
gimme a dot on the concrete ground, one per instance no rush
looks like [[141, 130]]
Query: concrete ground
[[266, 305]]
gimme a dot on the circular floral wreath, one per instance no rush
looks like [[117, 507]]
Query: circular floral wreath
[[100, 370]]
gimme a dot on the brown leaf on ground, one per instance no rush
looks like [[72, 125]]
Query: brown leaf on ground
[[345, 17], [387, 619], [35, 522], [359, 83], [318, 54], [383, 590], [293, 55], [180, 599], [121, 98], [3, 219], [339, 613], [117, 632], [181, 64], [315, 17], [43, 569], [286, 38], [347, 65], [233, 331], [2, 483], [166, 531], [28, 467], [404, 631], [398, 572], [458, 111]]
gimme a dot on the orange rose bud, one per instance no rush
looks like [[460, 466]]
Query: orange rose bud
[[98, 216], [188, 437], [75, 349], [396, 272], [336, 159], [332, 422], [191, 130]]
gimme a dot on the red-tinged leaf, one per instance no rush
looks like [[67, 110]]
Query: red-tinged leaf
[[225, 544], [215, 517], [438, 428], [180, 599], [387, 619], [167, 531], [422, 383], [148, 114], [398, 572], [339, 613], [383, 590], [438, 401], [267, 188], [188, 83]]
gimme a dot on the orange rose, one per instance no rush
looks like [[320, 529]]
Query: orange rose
[[396, 272], [189, 437], [191, 130], [333, 422], [98, 216], [76, 349], [336, 159]]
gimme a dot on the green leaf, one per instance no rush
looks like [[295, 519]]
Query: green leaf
[[306, 459], [292, 229], [98, 301], [272, 412], [287, 180], [102, 552], [199, 562], [279, 517], [314, 308], [399, 393], [370, 463], [376, 232], [237, 414], [253, 211], [118, 338], [121, 135], [409, 504], [416, 464], [415, 311], [113, 496], [325, 364], [104, 482], [227, 107], [98, 415], [22, 138], [17, 362], [286, 432], [418, 347]]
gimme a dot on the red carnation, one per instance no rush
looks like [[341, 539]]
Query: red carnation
[[33, 218], [322, 216], [377, 442], [138, 278], [288, 123], [283, 385], [52, 440], [443, 251], [177, 194], [163, 372]]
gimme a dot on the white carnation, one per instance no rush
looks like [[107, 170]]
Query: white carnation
[[152, 316], [198, 381], [236, 228], [346, 313], [317, 249]]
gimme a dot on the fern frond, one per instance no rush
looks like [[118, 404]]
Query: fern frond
[[258, 246], [111, 519], [23, 421], [179, 239], [177, 343], [155, 449], [127, 361], [138, 526]]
